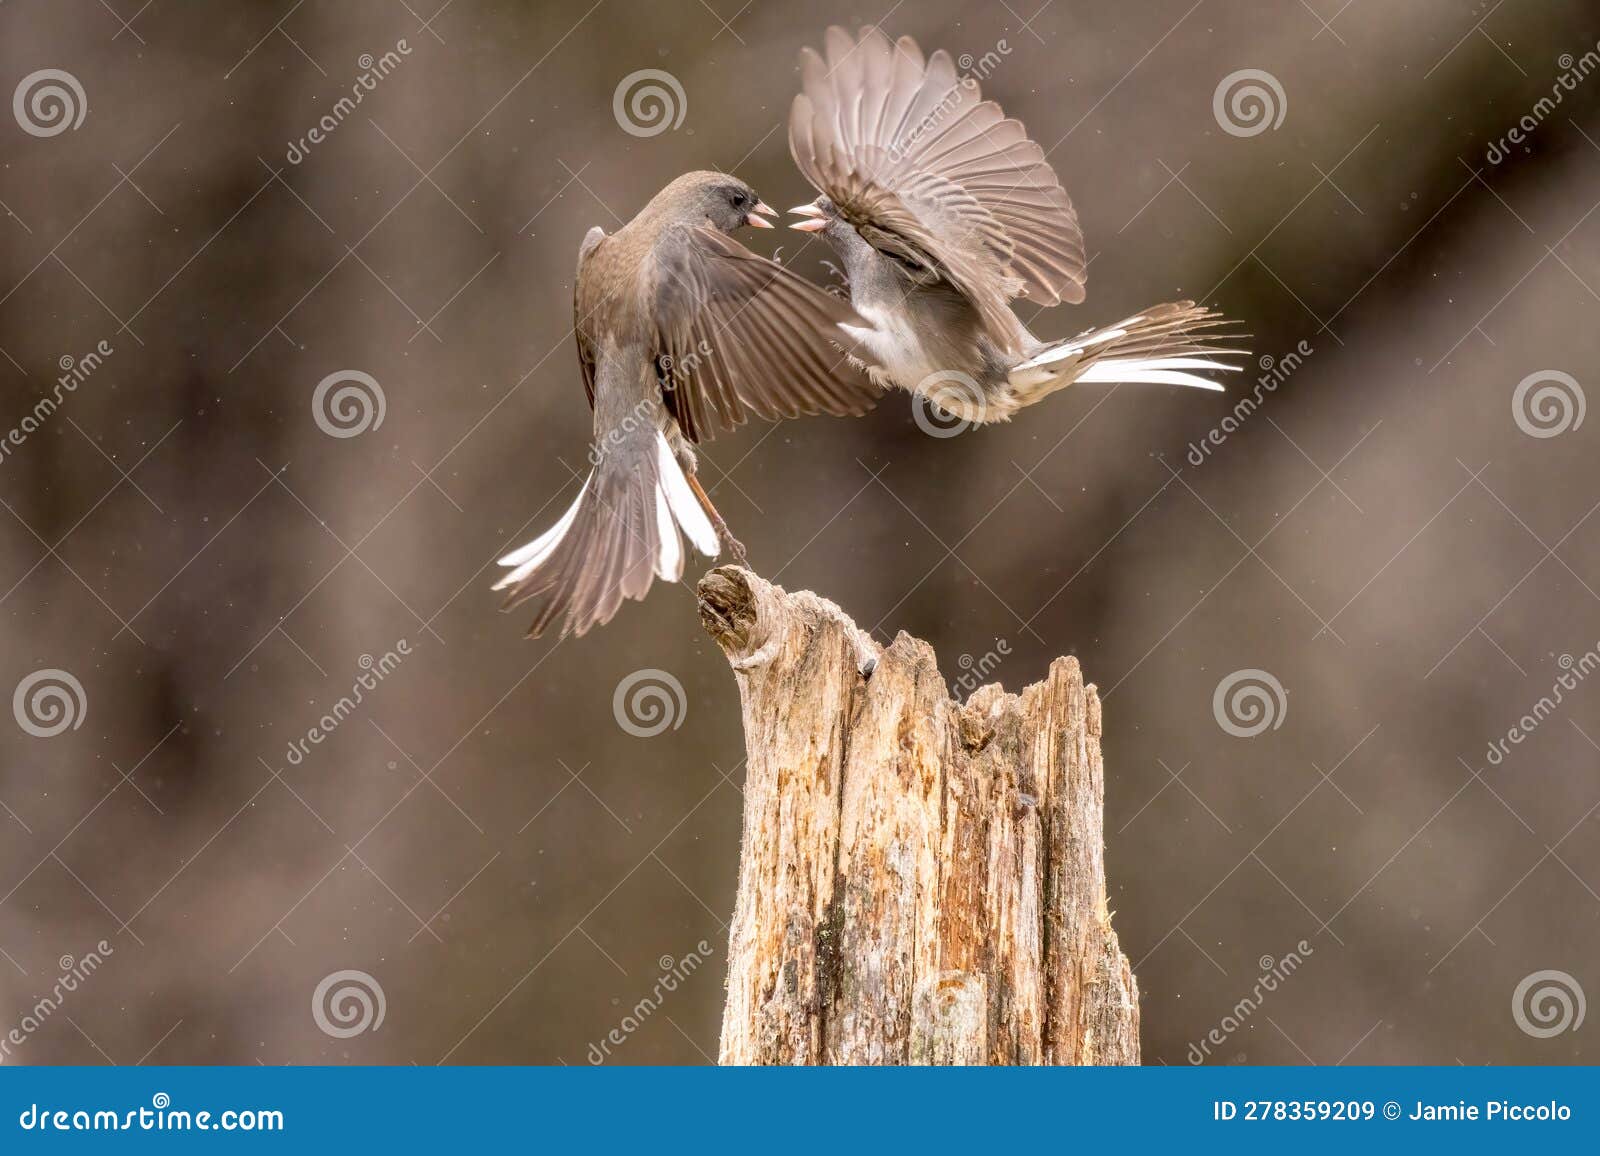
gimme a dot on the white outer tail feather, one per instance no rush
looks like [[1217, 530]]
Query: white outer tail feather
[[1056, 353], [526, 559], [676, 507], [1157, 371], [682, 502], [1160, 346]]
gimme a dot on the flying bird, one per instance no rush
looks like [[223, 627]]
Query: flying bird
[[943, 212], [681, 331]]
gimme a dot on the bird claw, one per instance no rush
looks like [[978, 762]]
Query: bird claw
[[734, 546]]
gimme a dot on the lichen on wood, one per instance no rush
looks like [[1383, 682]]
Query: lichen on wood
[[921, 880]]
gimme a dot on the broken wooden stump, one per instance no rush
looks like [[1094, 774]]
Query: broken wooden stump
[[920, 880]]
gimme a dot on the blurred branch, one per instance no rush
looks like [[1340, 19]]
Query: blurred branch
[[920, 880]]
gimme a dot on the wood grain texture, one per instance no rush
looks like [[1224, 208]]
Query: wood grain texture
[[921, 880]]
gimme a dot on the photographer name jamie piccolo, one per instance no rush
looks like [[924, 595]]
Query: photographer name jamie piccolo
[[1493, 1110]]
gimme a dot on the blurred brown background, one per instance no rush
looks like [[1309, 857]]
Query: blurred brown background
[[480, 836]]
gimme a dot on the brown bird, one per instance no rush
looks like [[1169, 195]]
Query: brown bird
[[944, 212], [681, 331]]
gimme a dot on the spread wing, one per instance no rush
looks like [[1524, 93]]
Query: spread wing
[[931, 173], [738, 336]]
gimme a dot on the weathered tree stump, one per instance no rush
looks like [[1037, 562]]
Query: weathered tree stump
[[921, 880]]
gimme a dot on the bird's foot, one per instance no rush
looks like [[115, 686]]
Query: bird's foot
[[734, 547]]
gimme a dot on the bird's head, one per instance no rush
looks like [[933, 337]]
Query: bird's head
[[724, 202], [820, 216]]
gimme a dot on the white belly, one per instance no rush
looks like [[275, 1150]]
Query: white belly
[[900, 355]]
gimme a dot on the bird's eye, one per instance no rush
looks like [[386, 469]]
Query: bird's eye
[[740, 200]]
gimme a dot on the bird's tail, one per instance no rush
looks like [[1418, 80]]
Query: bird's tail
[[619, 534], [1177, 343]]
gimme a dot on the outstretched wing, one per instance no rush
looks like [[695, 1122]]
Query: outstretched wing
[[928, 171], [738, 336]]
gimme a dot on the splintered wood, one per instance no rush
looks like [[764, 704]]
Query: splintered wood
[[921, 881]]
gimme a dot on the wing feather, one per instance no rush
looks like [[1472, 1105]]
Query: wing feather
[[922, 165], [745, 337]]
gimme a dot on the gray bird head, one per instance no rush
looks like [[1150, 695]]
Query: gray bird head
[[724, 202], [822, 216]]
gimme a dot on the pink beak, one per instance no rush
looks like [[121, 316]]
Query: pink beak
[[816, 222], [759, 222]]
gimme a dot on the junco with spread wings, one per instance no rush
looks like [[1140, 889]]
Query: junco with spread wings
[[681, 331], [943, 212]]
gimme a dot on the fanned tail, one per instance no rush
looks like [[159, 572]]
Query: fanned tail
[[619, 534], [1177, 343]]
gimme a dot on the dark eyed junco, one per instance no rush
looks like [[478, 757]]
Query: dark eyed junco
[[681, 331], [943, 212]]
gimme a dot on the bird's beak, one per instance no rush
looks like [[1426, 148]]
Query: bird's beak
[[816, 222], [760, 222]]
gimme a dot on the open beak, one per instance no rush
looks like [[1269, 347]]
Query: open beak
[[815, 223], [760, 222]]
